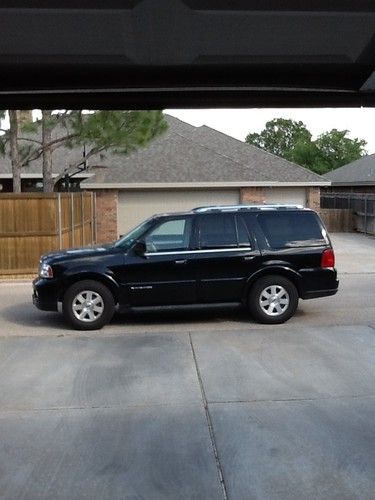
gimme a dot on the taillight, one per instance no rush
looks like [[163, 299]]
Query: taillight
[[328, 258]]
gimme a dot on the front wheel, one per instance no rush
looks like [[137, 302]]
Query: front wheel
[[273, 299], [88, 305]]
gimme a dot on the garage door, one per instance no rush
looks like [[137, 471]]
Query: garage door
[[135, 206], [286, 195]]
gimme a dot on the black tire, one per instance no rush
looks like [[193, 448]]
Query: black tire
[[91, 300], [273, 299]]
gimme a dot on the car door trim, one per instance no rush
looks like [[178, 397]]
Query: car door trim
[[188, 252]]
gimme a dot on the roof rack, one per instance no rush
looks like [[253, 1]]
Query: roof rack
[[231, 208]]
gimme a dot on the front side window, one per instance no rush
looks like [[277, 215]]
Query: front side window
[[126, 241], [170, 235]]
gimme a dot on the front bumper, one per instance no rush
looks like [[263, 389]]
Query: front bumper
[[45, 294]]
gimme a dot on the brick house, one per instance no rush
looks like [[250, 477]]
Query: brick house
[[193, 166], [184, 168]]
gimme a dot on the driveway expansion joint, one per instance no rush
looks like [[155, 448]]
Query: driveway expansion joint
[[209, 423], [128, 407], [292, 400]]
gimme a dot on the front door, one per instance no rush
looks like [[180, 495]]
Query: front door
[[163, 276]]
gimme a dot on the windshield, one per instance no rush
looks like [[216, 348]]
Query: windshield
[[128, 239]]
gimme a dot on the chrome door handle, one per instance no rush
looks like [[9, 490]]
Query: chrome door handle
[[180, 262], [248, 257]]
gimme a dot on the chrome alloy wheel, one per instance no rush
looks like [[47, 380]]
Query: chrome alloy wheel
[[88, 306], [274, 300]]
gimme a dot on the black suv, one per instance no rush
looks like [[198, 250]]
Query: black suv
[[265, 257]]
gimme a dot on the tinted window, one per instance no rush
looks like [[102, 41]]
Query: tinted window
[[128, 239], [217, 231], [173, 234], [288, 230], [243, 236]]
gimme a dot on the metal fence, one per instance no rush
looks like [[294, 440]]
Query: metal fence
[[362, 206]]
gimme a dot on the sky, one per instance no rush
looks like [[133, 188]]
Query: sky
[[239, 122]]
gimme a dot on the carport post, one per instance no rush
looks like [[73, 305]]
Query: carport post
[[82, 221], [59, 219], [72, 216], [92, 218]]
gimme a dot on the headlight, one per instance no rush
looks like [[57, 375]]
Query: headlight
[[45, 271]]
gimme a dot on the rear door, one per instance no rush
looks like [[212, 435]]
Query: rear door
[[225, 256]]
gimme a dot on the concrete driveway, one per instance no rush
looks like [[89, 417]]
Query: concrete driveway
[[207, 405]]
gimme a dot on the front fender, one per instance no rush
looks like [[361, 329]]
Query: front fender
[[104, 276]]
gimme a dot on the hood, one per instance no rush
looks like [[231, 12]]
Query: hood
[[77, 253]]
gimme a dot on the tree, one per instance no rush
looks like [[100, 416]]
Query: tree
[[48, 182], [14, 152], [336, 149], [291, 140], [12, 143], [117, 131], [280, 136], [12, 137]]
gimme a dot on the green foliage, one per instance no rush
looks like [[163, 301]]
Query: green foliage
[[291, 140], [99, 131], [280, 136], [121, 131], [116, 131], [336, 149], [29, 127]]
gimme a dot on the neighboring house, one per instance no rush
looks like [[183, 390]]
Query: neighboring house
[[355, 177], [31, 175], [189, 167], [184, 168]]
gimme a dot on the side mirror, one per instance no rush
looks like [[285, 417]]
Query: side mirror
[[140, 248]]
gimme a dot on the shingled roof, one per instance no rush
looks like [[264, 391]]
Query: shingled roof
[[357, 173], [200, 155], [62, 158], [184, 154]]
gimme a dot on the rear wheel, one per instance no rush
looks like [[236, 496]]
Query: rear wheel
[[88, 305], [273, 299]]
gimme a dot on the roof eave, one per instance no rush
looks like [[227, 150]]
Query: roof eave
[[32, 175], [353, 183], [196, 185]]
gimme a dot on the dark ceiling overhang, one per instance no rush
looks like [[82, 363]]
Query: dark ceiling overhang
[[186, 53]]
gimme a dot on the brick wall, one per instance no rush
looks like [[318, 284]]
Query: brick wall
[[252, 195], [106, 215], [313, 198]]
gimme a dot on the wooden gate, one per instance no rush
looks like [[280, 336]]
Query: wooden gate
[[32, 224]]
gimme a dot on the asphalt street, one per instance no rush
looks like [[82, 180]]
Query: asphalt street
[[193, 405]]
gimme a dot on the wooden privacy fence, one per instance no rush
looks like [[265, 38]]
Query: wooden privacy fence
[[359, 206], [337, 220], [32, 224]]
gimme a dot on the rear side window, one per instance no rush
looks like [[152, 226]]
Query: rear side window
[[221, 231], [292, 229]]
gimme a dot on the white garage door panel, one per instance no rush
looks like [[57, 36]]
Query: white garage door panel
[[286, 195], [136, 206]]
